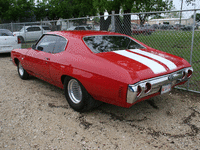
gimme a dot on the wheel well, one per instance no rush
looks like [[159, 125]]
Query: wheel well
[[22, 38], [16, 61], [63, 78]]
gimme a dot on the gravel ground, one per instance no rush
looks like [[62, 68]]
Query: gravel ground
[[35, 115]]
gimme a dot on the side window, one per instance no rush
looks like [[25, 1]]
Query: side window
[[47, 43], [30, 29], [60, 45], [81, 28], [77, 28], [36, 28], [4, 34]]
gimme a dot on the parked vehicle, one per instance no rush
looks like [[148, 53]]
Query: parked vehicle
[[166, 27], [186, 28], [143, 30], [155, 26], [8, 42], [93, 66], [31, 33], [80, 28]]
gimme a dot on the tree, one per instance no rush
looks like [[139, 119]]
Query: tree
[[4, 6], [188, 2], [121, 26], [69, 9], [41, 9], [150, 6], [197, 17], [17, 10]]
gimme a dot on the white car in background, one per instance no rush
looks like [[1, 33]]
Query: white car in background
[[80, 28], [31, 33], [8, 42]]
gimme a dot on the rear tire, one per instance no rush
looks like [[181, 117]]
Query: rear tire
[[77, 96], [22, 72]]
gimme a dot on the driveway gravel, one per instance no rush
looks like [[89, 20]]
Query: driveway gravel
[[35, 115]]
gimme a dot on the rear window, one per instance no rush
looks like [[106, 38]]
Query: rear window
[[5, 32], [103, 43]]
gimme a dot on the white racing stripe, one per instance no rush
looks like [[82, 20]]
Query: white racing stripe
[[153, 65], [165, 61]]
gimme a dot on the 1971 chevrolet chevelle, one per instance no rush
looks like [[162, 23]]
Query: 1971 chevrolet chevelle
[[97, 66]]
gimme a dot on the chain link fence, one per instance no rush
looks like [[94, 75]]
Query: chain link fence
[[166, 31]]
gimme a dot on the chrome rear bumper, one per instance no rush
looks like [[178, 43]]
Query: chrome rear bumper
[[142, 89]]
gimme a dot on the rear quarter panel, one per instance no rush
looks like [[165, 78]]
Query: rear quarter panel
[[18, 54], [103, 80]]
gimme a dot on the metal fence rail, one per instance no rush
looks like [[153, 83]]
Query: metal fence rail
[[172, 33]]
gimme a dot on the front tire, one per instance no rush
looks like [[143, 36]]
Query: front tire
[[77, 96], [22, 72]]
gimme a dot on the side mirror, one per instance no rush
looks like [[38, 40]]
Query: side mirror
[[40, 48], [33, 46]]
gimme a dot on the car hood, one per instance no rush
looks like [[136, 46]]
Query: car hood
[[145, 64]]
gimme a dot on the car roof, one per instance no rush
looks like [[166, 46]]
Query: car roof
[[82, 33], [4, 30]]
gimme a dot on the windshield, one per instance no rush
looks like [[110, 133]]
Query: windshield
[[103, 43], [22, 29]]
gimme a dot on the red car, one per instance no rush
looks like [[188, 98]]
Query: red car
[[143, 30], [97, 66]]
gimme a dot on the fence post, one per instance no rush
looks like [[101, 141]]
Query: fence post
[[11, 26], [25, 34], [113, 21], [192, 44]]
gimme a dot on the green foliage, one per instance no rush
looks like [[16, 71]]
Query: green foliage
[[21, 10], [188, 2], [197, 17], [16, 9], [69, 9], [150, 6]]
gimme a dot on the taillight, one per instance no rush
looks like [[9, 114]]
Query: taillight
[[189, 73], [139, 90], [19, 40], [184, 74], [147, 88]]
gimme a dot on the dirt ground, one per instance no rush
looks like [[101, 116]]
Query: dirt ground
[[35, 115]]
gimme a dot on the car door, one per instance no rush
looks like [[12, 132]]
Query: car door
[[56, 58], [33, 33], [38, 59]]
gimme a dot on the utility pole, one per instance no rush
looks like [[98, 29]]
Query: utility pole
[[181, 11]]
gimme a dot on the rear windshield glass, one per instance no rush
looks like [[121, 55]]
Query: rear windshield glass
[[5, 32], [103, 43]]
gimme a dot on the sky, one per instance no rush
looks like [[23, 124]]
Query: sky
[[196, 5]]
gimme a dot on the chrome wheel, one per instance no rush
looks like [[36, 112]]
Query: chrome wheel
[[74, 91], [21, 70]]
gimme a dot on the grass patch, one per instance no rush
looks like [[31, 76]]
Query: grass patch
[[27, 44]]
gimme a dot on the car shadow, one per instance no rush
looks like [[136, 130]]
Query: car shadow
[[3, 55]]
